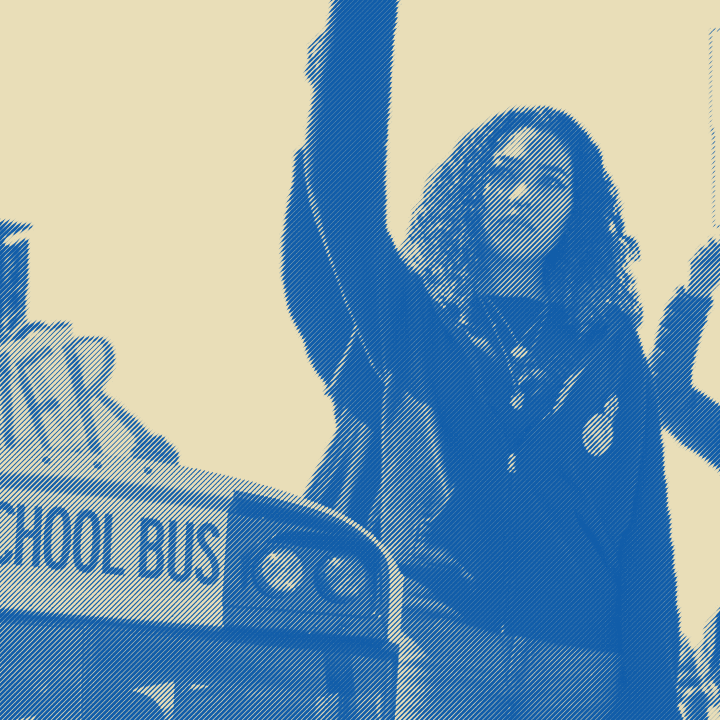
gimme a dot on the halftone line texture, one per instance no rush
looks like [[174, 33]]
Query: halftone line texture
[[115, 595], [699, 683], [100, 672], [52, 396], [690, 415], [694, 419], [114, 601], [511, 461], [478, 201], [96, 556], [452, 670]]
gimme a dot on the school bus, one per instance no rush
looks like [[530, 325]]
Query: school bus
[[133, 587]]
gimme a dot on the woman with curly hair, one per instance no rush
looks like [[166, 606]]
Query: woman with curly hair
[[496, 426]]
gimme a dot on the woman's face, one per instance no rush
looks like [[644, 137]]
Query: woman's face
[[527, 195]]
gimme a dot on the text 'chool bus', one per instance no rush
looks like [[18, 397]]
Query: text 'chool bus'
[[127, 593]]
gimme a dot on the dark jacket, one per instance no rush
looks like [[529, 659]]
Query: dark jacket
[[691, 416], [563, 531]]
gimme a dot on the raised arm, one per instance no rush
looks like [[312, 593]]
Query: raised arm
[[311, 290], [691, 416], [345, 168]]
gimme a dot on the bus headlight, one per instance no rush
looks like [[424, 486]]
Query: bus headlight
[[342, 578], [279, 572]]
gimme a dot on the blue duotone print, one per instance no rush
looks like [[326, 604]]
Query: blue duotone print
[[487, 535], [130, 591], [497, 424]]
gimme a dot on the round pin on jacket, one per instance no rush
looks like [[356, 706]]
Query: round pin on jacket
[[597, 435]]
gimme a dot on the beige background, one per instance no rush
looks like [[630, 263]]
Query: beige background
[[150, 144]]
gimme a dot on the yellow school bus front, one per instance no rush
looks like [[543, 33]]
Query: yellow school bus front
[[126, 593]]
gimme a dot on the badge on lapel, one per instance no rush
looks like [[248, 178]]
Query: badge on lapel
[[597, 435]]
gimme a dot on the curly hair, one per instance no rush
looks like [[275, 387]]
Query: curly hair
[[587, 271]]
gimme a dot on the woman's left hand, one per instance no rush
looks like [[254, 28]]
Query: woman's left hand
[[705, 269], [431, 557]]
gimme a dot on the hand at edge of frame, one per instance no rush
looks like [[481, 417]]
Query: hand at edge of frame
[[705, 269]]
